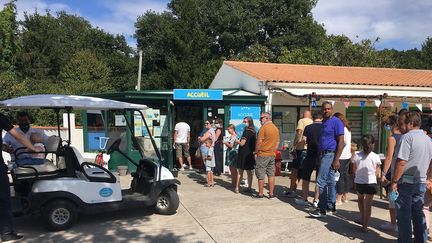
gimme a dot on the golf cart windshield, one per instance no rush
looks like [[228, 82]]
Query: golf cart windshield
[[142, 140]]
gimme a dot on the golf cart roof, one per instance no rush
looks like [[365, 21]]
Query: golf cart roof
[[69, 101]]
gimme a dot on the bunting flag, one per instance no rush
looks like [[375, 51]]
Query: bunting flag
[[391, 103], [362, 103], [314, 103], [377, 103], [332, 102], [420, 107], [404, 105], [346, 104]]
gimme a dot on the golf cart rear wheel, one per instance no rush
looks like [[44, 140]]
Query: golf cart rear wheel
[[167, 202], [60, 214]]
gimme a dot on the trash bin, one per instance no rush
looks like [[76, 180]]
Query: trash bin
[[278, 163]]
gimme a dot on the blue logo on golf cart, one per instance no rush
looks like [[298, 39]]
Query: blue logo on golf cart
[[105, 192]]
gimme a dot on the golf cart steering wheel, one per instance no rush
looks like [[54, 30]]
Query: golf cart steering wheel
[[114, 146]]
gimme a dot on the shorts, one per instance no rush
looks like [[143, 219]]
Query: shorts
[[181, 148], [370, 189], [309, 164], [300, 157], [208, 169], [265, 165]]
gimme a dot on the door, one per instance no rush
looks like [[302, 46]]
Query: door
[[192, 114]]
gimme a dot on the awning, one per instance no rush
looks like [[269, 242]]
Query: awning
[[350, 91]]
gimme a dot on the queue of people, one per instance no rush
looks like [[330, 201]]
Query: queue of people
[[325, 145]]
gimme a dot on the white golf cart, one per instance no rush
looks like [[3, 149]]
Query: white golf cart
[[62, 188]]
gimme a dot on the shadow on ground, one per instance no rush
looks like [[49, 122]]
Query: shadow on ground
[[119, 226]]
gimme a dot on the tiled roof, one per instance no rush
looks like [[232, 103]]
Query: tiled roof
[[296, 73]]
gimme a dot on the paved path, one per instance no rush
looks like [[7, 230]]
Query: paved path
[[218, 215]]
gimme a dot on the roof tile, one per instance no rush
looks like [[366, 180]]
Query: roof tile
[[298, 73]]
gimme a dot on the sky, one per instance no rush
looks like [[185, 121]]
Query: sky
[[399, 24]]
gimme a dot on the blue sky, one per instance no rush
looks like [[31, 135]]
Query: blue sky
[[400, 24]]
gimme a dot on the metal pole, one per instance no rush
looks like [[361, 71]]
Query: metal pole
[[138, 88]]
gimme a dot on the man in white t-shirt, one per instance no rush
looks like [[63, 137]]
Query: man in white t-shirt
[[181, 140], [10, 144]]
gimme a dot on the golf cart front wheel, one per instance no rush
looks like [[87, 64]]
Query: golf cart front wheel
[[167, 202], [60, 214]]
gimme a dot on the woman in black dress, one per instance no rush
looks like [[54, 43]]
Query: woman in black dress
[[246, 158], [218, 147]]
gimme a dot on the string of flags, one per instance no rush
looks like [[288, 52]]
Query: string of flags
[[362, 103]]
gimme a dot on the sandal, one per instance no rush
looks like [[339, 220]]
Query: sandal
[[258, 196], [364, 230], [271, 196]]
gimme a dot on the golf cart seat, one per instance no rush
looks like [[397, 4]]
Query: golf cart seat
[[31, 171], [47, 169], [92, 173]]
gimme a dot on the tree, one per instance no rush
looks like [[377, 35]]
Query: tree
[[426, 53], [185, 45], [85, 73], [9, 43]]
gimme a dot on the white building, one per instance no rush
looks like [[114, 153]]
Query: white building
[[356, 91]]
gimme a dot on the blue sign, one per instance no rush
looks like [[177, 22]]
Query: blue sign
[[238, 112], [105, 192], [198, 94]]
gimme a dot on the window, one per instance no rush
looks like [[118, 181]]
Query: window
[[285, 118]]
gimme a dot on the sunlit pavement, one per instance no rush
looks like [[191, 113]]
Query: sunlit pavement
[[218, 215]]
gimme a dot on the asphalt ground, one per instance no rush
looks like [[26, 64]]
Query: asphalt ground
[[217, 214]]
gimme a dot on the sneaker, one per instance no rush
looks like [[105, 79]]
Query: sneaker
[[290, 194], [243, 182], [190, 168], [318, 214], [182, 169], [184, 165], [389, 227], [11, 237], [315, 203], [301, 202]]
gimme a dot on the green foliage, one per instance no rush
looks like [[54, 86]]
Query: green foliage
[[84, 73], [426, 53], [9, 44], [181, 46]]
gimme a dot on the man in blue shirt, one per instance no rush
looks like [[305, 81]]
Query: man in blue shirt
[[331, 146]]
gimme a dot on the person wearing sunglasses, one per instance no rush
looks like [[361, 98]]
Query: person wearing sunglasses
[[245, 157], [218, 147], [209, 133], [265, 151]]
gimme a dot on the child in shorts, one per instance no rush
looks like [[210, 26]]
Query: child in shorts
[[209, 162], [36, 158], [367, 169]]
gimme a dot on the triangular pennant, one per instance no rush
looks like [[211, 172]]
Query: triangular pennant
[[377, 103], [346, 104], [332, 102], [404, 105], [391, 103], [420, 107], [362, 103]]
